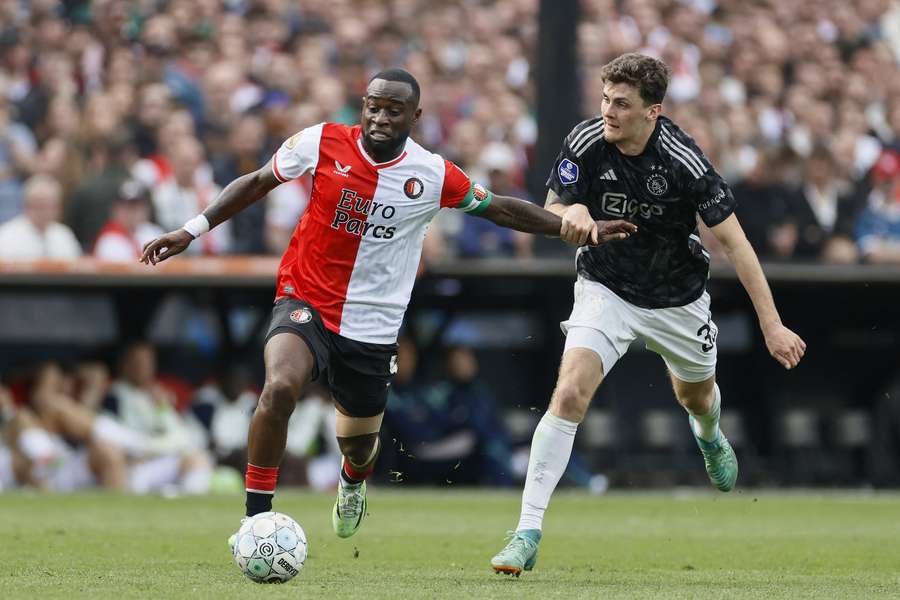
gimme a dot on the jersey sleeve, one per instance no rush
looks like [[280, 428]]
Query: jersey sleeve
[[461, 193], [298, 155], [569, 178], [712, 197]]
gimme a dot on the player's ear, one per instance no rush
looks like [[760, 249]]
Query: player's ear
[[416, 115], [653, 112]]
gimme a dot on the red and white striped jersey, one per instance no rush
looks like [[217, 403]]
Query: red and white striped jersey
[[356, 249]]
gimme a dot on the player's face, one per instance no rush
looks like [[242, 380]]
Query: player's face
[[625, 115], [388, 114]]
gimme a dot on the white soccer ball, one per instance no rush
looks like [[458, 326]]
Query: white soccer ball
[[270, 547]]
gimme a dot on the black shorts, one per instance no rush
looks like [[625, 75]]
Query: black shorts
[[359, 373]]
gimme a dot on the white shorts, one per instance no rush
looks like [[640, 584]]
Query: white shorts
[[685, 336]]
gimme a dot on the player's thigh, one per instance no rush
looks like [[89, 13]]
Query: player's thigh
[[359, 375], [289, 361], [685, 337], [601, 322], [296, 348]]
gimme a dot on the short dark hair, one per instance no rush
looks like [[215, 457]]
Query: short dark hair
[[401, 75], [649, 75]]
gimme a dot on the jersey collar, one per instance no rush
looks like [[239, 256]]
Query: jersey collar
[[370, 160]]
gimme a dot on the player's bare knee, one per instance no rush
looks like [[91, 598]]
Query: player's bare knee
[[279, 397], [359, 449], [570, 401], [695, 397]]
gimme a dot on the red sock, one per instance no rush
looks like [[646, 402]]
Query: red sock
[[261, 480], [352, 475]]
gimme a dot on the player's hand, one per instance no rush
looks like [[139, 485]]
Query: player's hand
[[577, 226], [784, 345], [611, 231], [170, 244]]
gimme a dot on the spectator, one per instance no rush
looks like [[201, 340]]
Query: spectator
[[482, 238], [187, 192], [37, 233], [89, 208], [821, 212], [761, 200], [245, 152], [770, 78], [878, 229], [58, 443], [17, 156], [447, 430], [122, 239], [140, 402]]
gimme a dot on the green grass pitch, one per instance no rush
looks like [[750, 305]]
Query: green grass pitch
[[437, 544]]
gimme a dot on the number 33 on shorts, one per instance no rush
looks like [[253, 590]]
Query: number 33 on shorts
[[708, 334]]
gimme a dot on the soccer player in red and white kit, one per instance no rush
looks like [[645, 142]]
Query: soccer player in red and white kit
[[345, 279]]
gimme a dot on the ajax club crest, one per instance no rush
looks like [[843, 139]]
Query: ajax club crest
[[657, 184]]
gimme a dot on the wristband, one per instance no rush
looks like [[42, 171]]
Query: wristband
[[197, 226]]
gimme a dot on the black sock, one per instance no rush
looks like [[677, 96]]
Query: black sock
[[349, 480], [258, 503]]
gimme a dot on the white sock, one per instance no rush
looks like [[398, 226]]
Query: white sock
[[109, 430], [706, 427], [551, 448]]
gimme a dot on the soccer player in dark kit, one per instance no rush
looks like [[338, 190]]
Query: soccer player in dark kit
[[345, 278], [632, 163]]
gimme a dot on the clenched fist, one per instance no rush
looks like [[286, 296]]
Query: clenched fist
[[579, 228]]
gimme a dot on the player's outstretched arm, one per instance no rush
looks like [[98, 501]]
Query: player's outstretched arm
[[784, 345], [237, 195], [522, 215]]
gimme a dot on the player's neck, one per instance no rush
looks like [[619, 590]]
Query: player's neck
[[382, 155], [635, 146]]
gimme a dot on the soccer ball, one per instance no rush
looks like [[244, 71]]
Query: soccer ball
[[270, 547]]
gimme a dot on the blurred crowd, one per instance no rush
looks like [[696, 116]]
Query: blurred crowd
[[120, 119], [69, 427], [797, 104], [137, 429]]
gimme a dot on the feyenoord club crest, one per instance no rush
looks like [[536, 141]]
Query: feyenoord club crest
[[479, 192], [413, 188], [301, 315], [657, 184]]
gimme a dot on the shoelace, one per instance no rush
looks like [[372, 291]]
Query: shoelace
[[511, 536], [351, 503]]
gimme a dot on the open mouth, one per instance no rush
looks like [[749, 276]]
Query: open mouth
[[379, 135]]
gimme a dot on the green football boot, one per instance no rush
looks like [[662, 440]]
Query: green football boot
[[349, 509], [519, 554], [721, 463]]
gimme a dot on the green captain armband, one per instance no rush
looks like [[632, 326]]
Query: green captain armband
[[476, 201]]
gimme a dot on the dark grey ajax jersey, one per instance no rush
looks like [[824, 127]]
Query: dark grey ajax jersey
[[661, 191]]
